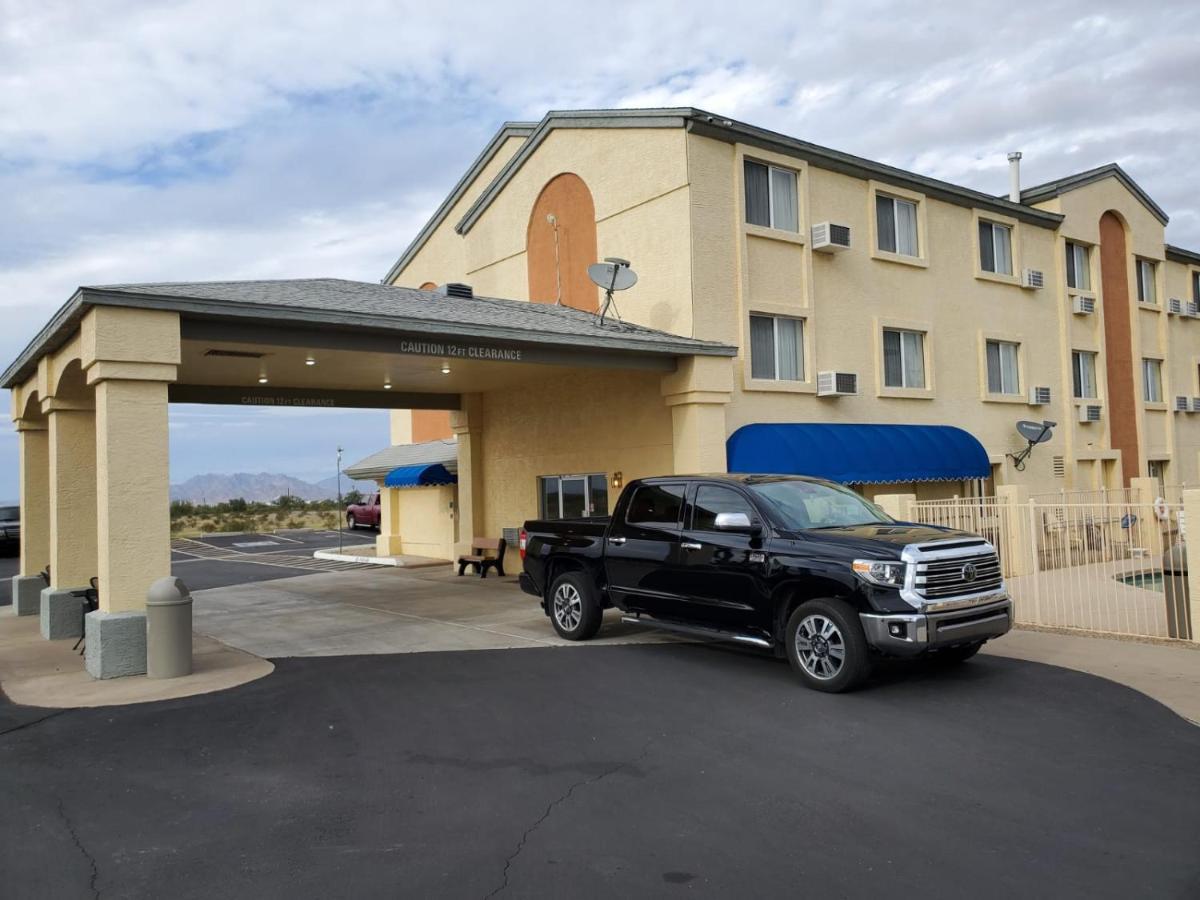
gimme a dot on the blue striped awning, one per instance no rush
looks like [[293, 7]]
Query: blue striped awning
[[858, 454], [419, 476]]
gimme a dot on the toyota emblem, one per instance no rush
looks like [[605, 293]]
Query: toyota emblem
[[968, 573]]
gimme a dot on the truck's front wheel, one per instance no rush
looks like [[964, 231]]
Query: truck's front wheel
[[574, 612], [826, 646]]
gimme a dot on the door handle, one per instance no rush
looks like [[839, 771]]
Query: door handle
[[689, 545], [616, 540]]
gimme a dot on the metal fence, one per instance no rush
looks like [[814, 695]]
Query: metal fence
[[1093, 566]]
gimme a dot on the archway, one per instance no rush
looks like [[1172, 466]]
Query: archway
[[1118, 343], [560, 244]]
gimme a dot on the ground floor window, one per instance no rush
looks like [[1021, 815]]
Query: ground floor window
[[1157, 469], [573, 496]]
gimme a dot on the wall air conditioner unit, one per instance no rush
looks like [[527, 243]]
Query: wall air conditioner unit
[[1174, 307], [1183, 404], [837, 384], [1088, 413], [1033, 279], [1083, 306], [1193, 309], [1039, 396], [1196, 404], [828, 237]]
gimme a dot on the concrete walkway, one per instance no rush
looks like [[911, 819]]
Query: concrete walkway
[[37, 672]]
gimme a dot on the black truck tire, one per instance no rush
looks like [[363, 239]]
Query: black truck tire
[[574, 611], [351, 524], [826, 646]]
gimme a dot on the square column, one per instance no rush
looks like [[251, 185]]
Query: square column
[[387, 543], [72, 493], [467, 424], [697, 394], [34, 453]]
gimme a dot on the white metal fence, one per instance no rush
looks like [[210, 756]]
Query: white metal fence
[[1094, 566]]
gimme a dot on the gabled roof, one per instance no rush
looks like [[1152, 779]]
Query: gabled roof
[[1042, 192], [377, 465], [336, 303], [721, 128], [507, 130]]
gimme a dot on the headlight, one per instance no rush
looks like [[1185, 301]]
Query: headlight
[[882, 573]]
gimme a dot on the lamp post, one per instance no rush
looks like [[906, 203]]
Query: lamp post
[[339, 497]]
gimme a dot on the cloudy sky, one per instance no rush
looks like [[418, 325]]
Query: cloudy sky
[[287, 138]]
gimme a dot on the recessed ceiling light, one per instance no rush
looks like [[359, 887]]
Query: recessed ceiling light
[[387, 385], [310, 361], [445, 367], [262, 379]]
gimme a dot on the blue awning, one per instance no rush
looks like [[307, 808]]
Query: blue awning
[[419, 476], [858, 454]]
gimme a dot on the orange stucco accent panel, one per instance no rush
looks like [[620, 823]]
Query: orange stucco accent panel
[[427, 286], [568, 199], [1118, 344], [430, 425]]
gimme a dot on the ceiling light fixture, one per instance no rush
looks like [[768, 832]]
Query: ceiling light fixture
[[387, 385], [310, 361], [445, 367], [262, 379]]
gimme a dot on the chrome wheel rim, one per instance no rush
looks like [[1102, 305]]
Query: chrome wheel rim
[[568, 607], [820, 647]]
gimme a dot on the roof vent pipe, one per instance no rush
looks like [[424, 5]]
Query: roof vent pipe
[[1014, 176]]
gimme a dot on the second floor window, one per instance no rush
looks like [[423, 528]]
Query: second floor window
[[1079, 272], [995, 248], [776, 348], [771, 197], [1152, 380], [1002, 374], [1083, 374], [903, 359], [896, 225], [1196, 287], [1145, 281]]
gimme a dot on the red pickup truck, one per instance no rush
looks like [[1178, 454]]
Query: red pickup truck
[[365, 513]]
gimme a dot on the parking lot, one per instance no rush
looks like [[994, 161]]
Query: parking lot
[[424, 734]]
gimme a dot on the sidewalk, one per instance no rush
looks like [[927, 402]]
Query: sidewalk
[[1169, 673]]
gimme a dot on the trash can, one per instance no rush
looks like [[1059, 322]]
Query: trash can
[[168, 629], [1175, 590]]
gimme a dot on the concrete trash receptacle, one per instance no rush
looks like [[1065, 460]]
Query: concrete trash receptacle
[[168, 629], [1176, 592]]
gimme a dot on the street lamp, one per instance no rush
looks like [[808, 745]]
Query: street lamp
[[339, 497]]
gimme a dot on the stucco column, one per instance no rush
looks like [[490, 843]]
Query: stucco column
[[899, 506], [1019, 527], [467, 424], [387, 543], [33, 440], [1191, 518], [697, 394]]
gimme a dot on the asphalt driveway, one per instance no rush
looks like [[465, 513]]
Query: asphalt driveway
[[659, 769]]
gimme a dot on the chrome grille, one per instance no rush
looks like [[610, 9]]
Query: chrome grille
[[941, 578]]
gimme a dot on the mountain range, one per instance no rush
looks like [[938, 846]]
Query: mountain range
[[264, 486]]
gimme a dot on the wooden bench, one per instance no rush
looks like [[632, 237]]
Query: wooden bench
[[481, 559]]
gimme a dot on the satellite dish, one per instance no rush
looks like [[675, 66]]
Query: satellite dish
[[613, 274], [1035, 432]]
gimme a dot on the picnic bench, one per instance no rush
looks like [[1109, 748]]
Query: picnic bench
[[481, 559]]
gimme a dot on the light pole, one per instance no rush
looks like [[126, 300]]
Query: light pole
[[339, 497]]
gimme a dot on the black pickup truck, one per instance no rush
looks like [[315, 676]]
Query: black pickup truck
[[800, 566]]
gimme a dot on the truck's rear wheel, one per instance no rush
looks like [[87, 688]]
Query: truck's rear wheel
[[350, 523], [574, 612], [826, 646]]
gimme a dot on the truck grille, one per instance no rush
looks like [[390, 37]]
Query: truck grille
[[973, 574]]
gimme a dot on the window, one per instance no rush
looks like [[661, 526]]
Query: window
[[1079, 270], [995, 248], [776, 348], [711, 499], [800, 505], [1145, 281], [1157, 469], [903, 359], [896, 225], [1152, 380], [656, 504], [771, 197], [1002, 375], [573, 496], [1083, 374], [1196, 286]]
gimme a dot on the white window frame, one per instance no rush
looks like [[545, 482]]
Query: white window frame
[[1076, 357], [771, 212], [1008, 229], [1075, 249], [1016, 351], [916, 218], [1152, 366], [904, 385], [588, 508], [800, 360], [1147, 289]]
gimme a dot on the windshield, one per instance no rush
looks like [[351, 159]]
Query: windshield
[[806, 504], [9, 513]]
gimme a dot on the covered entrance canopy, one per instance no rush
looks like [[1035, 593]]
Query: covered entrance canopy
[[419, 476], [859, 454], [90, 397]]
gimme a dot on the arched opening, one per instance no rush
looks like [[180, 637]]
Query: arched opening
[[428, 286], [560, 244], [1118, 343], [71, 383]]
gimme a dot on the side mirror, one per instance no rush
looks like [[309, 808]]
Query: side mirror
[[737, 522]]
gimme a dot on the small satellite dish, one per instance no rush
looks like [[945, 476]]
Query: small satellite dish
[[1035, 432], [613, 274]]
